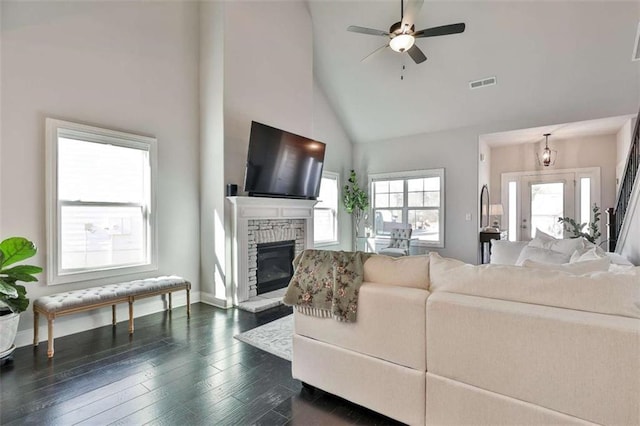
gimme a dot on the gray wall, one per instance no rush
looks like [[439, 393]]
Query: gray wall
[[456, 151], [338, 158], [128, 66]]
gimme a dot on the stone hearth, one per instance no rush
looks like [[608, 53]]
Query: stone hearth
[[258, 220]]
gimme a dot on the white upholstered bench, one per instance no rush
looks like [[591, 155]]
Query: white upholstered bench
[[87, 299]]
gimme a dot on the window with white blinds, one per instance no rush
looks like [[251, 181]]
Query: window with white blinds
[[100, 198]]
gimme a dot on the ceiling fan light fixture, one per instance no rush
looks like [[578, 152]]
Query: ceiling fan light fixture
[[402, 42]]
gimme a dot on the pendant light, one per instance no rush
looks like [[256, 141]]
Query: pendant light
[[549, 156]]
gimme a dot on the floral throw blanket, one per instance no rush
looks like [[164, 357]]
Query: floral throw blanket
[[326, 283]]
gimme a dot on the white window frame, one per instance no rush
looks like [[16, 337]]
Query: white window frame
[[334, 176], [56, 128], [429, 173]]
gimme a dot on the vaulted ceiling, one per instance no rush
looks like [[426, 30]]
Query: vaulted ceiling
[[546, 55]]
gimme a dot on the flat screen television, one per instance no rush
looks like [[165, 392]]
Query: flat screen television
[[282, 164]]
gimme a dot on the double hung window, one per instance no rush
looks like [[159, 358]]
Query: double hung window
[[100, 198], [415, 198], [325, 221]]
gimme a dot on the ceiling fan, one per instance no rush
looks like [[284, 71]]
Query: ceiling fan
[[402, 34]]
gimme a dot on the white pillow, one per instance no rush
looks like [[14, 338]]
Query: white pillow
[[566, 246], [575, 268], [542, 255], [505, 252], [540, 234], [592, 253], [618, 259]]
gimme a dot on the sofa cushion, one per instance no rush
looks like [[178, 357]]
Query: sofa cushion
[[406, 271], [575, 268], [482, 407], [505, 252], [616, 293], [391, 325], [579, 363]]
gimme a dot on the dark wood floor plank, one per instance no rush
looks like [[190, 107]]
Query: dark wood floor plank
[[271, 418], [90, 410], [174, 370], [248, 413]]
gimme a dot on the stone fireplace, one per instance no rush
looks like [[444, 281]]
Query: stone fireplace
[[263, 222]]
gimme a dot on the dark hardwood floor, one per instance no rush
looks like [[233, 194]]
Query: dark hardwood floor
[[172, 371]]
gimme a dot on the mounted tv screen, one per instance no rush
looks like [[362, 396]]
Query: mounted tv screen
[[281, 164]]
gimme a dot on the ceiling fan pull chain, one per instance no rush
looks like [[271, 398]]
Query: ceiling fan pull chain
[[402, 73]]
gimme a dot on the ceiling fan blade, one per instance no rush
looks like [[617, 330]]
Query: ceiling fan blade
[[416, 54], [369, 31], [410, 12], [439, 31], [374, 52]]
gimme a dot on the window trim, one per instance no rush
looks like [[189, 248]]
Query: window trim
[[53, 129], [427, 173], [336, 176]]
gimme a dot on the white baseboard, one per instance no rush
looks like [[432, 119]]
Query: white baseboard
[[76, 323], [210, 299]]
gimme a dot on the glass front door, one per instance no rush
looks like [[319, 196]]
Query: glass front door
[[548, 198]]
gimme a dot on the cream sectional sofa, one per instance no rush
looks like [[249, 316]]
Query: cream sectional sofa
[[440, 342]]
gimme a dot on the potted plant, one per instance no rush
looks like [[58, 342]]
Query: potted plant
[[356, 202], [577, 230], [13, 296]]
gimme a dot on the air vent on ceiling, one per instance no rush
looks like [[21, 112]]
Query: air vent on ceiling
[[483, 82], [636, 46]]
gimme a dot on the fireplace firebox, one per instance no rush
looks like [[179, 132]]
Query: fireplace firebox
[[274, 268]]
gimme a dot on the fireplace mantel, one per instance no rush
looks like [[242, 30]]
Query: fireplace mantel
[[261, 208]]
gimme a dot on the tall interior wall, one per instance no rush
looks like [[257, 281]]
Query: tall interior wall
[[128, 66], [268, 79]]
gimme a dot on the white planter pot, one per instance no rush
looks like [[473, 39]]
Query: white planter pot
[[8, 330]]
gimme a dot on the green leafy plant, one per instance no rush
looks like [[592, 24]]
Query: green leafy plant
[[13, 295], [355, 199], [592, 232]]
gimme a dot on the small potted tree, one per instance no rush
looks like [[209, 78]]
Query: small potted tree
[[13, 296], [356, 202], [577, 230]]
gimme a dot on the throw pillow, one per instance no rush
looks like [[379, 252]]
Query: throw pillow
[[541, 235], [575, 268], [505, 252], [566, 246], [542, 255], [592, 253]]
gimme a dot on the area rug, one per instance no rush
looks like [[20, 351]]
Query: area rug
[[273, 337]]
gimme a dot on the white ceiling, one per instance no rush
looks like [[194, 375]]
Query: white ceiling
[[602, 126], [547, 56]]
